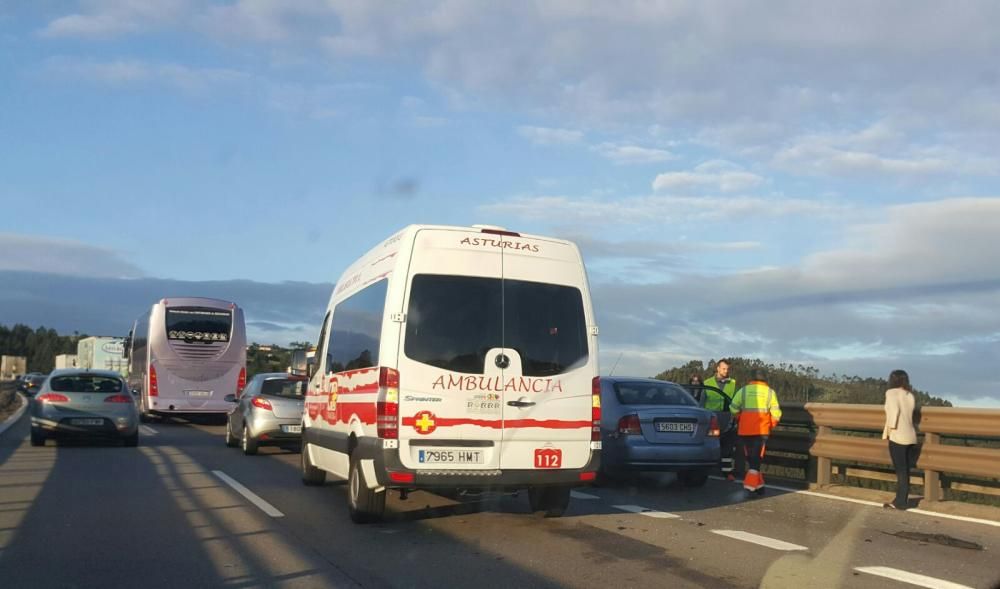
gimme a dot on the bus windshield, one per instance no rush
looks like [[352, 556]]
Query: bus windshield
[[199, 324]]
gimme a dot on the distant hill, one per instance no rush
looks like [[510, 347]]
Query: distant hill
[[800, 384]]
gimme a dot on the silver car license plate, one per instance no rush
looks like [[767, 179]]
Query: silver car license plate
[[80, 421], [450, 456], [291, 429], [674, 427], [199, 393]]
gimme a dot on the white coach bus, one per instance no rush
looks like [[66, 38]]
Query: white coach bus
[[185, 355], [457, 358]]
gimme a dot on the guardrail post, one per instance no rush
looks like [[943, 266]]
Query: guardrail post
[[932, 478], [823, 465]]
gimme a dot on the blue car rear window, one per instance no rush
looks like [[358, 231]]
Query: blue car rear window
[[651, 393]]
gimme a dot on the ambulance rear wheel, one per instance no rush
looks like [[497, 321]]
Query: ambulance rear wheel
[[311, 475], [364, 504], [552, 501]]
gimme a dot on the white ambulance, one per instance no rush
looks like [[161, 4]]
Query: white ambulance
[[456, 358]]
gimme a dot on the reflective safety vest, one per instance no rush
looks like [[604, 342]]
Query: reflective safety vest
[[713, 400], [756, 409]]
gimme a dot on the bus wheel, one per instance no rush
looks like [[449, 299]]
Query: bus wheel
[[248, 444], [311, 475], [365, 505]]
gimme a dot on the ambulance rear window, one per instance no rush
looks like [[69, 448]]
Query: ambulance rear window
[[453, 321]]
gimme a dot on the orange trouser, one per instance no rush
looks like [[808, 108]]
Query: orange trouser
[[753, 450]]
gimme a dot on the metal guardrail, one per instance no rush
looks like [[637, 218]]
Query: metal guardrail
[[823, 445]]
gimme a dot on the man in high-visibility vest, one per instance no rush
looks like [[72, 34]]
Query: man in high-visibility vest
[[719, 403], [756, 410]]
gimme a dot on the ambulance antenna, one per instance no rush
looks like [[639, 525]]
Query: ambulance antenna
[[612, 373]]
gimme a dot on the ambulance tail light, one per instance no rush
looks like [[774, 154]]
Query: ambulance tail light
[[154, 387], [713, 427], [588, 476], [387, 410], [629, 425], [595, 411], [388, 378], [401, 477], [387, 419]]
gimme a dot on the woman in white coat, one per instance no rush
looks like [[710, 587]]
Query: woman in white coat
[[900, 403]]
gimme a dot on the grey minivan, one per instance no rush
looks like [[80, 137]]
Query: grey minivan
[[269, 412], [655, 425]]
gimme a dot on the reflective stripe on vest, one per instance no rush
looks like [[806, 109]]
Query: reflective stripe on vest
[[757, 420]]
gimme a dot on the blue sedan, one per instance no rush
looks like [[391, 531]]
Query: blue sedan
[[655, 425]]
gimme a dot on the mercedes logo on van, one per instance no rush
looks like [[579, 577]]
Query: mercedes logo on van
[[502, 361]]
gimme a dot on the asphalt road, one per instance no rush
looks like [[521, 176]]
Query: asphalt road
[[165, 515]]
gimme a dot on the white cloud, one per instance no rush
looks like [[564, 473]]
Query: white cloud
[[549, 136], [50, 255], [633, 154], [123, 72], [882, 149], [916, 288], [658, 209], [110, 18], [716, 175]]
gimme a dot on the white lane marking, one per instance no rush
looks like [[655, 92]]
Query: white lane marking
[[961, 518], [760, 540], [911, 578], [579, 495], [147, 431], [248, 494], [646, 512]]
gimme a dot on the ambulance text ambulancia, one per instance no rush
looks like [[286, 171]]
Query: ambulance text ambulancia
[[456, 358]]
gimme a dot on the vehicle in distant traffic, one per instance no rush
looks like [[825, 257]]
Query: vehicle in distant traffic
[[457, 358], [84, 403], [268, 413], [655, 425], [186, 355], [31, 382]]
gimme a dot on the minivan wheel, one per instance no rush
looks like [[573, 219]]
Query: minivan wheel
[[248, 444], [364, 504], [553, 501], [231, 440], [693, 478], [37, 438], [311, 475], [131, 441]]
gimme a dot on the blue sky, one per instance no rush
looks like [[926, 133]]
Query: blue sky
[[816, 184]]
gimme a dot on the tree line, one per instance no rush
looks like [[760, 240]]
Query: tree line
[[797, 383], [40, 346]]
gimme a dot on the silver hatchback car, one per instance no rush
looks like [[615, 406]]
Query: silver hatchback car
[[84, 403], [269, 412]]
